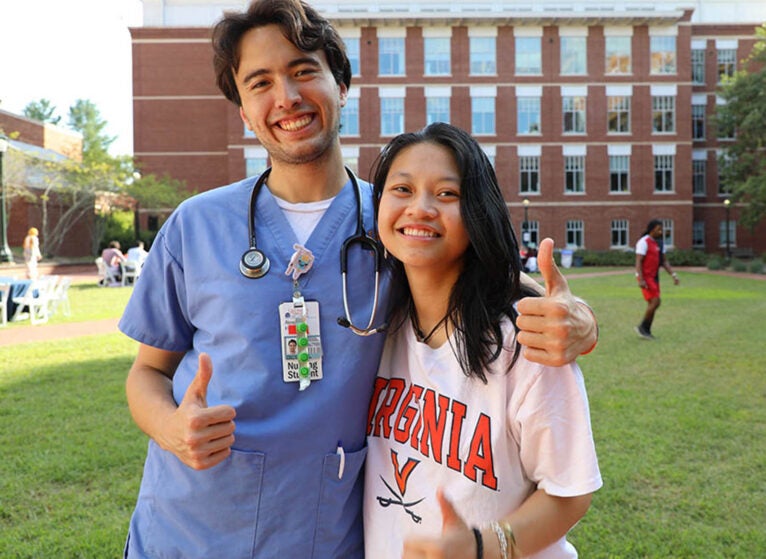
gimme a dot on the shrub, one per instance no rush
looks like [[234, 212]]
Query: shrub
[[756, 267], [738, 265], [715, 262]]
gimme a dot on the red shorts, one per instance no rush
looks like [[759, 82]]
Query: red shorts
[[652, 289]]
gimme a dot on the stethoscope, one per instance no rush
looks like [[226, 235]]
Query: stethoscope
[[255, 264]]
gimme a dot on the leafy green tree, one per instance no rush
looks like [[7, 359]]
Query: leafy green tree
[[743, 163], [80, 186], [85, 118], [42, 110]]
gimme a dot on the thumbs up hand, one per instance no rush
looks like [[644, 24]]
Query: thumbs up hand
[[456, 541], [200, 436], [556, 328]]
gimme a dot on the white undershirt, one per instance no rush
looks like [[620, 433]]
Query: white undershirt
[[303, 216]]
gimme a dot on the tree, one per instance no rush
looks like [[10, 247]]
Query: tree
[[42, 110], [162, 194], [743, 162], [79, 184]]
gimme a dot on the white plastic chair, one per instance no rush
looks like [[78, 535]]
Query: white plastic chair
[[59, 296], [130, 271], [35, 301], [5, 292], [105, 274]]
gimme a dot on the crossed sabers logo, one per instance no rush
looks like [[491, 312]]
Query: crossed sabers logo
[[401, 475]]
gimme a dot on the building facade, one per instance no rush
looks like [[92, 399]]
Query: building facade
[[598, 116], [25, 186]]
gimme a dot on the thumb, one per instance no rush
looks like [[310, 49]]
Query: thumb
[[450, 518], [552, 277], [198, 387]]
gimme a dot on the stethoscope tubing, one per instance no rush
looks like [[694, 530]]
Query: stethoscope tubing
[[359, 237]]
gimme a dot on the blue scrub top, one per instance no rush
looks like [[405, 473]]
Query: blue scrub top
[[278, 495]]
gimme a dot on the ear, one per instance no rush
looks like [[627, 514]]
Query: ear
[[244, 119], [343, 94]]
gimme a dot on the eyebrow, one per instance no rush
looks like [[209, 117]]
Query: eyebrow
[[292, 64]]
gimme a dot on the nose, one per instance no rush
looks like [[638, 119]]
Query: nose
[[423, 206], [287, 94]]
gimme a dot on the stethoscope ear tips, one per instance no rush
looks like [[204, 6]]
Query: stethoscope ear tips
[[254, 264]]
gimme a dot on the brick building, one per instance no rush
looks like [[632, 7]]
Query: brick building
[[597, 114], [31, 139]]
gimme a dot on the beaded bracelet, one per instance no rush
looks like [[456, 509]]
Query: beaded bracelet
[[500, 538], [508, 531]]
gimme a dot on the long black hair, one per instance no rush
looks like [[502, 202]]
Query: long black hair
[[489, 284]]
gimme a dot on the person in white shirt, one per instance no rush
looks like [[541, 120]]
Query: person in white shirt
[[474, 451], [136, 255]]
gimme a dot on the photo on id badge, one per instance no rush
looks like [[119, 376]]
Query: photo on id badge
[[301, 343]]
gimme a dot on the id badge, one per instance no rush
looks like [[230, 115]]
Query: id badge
[[301, 343]]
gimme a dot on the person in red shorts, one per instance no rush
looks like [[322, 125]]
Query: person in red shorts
[[650, 255]]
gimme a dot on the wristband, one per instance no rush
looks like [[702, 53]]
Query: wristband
[[479, 543]]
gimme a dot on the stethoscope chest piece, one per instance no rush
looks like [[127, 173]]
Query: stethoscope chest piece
[[254, 264]]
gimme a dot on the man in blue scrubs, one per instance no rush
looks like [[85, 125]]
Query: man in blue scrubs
[[255, 452]]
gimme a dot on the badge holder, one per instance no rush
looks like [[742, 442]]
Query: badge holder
[[299, 319]]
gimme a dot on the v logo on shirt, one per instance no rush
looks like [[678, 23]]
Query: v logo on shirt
[[401, 475]]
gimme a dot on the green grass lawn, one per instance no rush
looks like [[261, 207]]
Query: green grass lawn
[[680, 425]]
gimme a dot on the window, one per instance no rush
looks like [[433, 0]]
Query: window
[[698, 66], [529, 174], [391, 116], [724, 129], [618, 55], [663, 173], [620, 234], [528, 115], [437, 109], [575, 234], [528, 56], [247, 133], [574, 173], [351, 160], [437, 56], [391, 56], [483, 58], [667, 233], [698, 234], [619, 173], [699, 177], [349, 117], [698, 122], [574, 114], [727, 63], [574, 59], [663, 114], [729, 226], [618, 114], [532, 233], [663, 54], [353, 53], [482, 115], [255, 165]]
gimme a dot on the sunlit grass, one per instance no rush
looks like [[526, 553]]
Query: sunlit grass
[[679, 426]]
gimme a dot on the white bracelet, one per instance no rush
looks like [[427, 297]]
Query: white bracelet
[[500, 538]]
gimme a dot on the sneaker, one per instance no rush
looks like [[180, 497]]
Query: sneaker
[[643, 333]]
